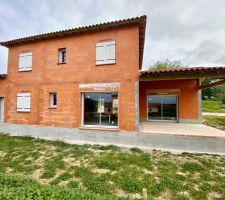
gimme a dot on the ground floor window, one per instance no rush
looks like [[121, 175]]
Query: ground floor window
[[162, 107], [100, 109]]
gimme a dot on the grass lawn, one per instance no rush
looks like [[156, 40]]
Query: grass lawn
[[46, 170], [212, 106], [215, 121]]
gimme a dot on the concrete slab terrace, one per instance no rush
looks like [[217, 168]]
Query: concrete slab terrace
[[149, 141], [180, 129]]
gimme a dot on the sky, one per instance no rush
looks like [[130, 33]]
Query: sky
[[189, 31]]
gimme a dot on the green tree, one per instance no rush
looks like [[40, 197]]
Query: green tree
[[167, 64]]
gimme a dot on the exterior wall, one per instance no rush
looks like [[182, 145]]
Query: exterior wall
[[188, 97], [47, 76]]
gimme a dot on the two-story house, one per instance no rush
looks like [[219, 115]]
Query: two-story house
[[89, 77], [83, 77]]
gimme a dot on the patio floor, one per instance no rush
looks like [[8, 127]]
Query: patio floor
[[180, 129]]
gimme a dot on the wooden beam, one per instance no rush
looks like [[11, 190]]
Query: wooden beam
[[204, 81], [220, 82]]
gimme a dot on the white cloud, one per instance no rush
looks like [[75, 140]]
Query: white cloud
[[188, 30]]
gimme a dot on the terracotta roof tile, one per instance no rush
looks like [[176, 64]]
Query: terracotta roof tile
[[185, 70]]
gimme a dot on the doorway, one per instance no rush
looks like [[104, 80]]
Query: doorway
[[1, 109], [100, 109], [162, 107]]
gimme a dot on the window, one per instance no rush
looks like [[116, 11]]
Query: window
[[53, 99], [23, 102], [62, 56], [106, 53], [25, 62]]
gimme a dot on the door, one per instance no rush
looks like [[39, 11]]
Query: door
[[162, 107], [1, 109], [100, 109]]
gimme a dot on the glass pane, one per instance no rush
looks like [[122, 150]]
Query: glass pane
[[91, 111], [154, 107], [169, 107], [109, 109], [101, 109]]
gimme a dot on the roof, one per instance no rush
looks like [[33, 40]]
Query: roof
[[137, 21], [187, 72]]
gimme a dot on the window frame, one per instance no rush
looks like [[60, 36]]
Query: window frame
[[51, 100], [60, 53]]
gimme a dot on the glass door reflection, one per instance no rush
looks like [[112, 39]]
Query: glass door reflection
[[162, 107], [101, 109]]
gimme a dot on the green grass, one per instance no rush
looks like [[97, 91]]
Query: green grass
[[215, 121], [212, 106], [39, 169]]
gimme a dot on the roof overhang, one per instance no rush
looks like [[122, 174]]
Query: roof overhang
[[3, 76], [137, 21], [183, 73]]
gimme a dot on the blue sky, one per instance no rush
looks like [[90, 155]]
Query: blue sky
[[192, 31]]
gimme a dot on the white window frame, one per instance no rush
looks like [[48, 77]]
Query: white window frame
[[24, 102], [51, 100], [25, 62], [106, 53]]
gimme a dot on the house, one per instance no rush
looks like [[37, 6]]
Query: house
[[90, 77]]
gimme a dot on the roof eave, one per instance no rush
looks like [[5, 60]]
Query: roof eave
[[92, 28], [188, 73]]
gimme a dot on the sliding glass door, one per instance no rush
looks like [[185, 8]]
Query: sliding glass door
[[162, 107], [100, 109]]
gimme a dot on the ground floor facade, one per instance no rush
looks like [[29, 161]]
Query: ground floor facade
[[111, 105], [108, 105]]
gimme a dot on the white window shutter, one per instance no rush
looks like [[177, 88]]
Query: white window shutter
[[25, 62], [111, 52], [19, 102], [100, 53], [22, 61], [23, 102], [29, 62], [105, 52], [26, 105]]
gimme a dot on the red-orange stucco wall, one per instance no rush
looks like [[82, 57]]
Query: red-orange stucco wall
[[188, 96]]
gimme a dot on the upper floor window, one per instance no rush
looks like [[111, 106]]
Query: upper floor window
[[25, 62], [53, 99], [23, 102], [62, 56], [106, 53]]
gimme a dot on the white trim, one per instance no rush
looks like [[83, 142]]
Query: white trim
[[100, 85]]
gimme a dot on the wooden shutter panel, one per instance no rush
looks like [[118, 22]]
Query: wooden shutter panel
[[22, 61], [100, 53], [29, 62], [19, 102], [26, 102], [110, 52]]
